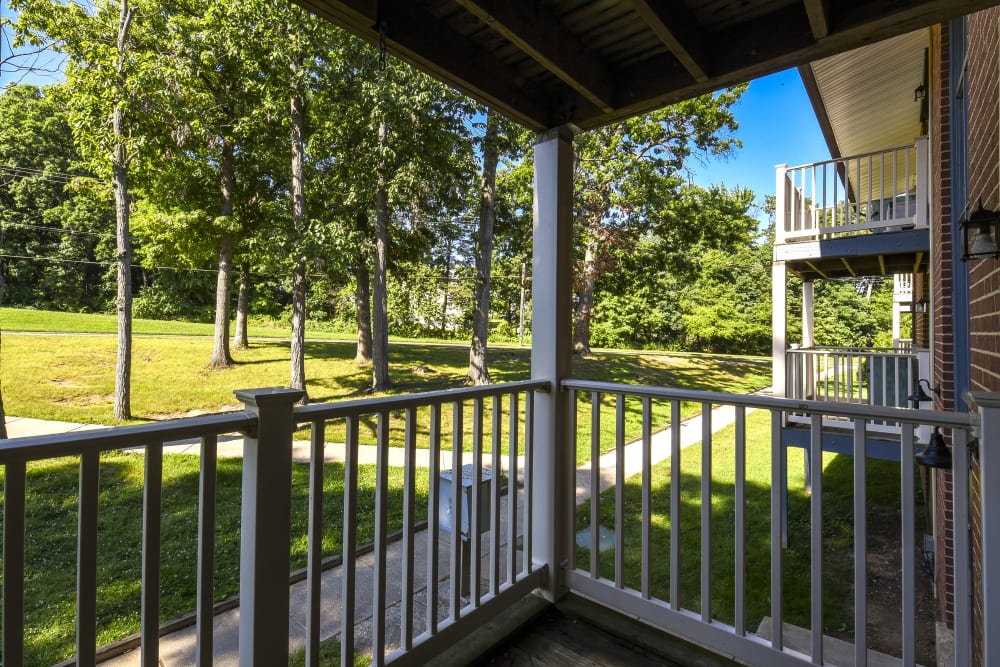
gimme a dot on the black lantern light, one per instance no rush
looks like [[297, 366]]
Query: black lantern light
[[980, 233], [936, 454], [919, 395]]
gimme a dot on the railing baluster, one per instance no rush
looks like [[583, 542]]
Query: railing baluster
[[595, 483], [457, 425], [86, 561], [476, 502], [512, 446], [860, 544], [907, 535], [620, 490], [495, 497], [529, 475], [381, 541], [15, 477], [350, 541], [314, 554], [777, 528], [740, 446], [207, 484], [675, 505], [647, 497], [409, 527], [816, 536], [433, 516], [152, 502], [706, 512]]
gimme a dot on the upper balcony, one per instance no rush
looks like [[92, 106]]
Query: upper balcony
[[865, 214]]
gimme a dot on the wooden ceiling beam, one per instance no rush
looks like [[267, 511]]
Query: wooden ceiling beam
[[677, 28], [847, 265], [819, 20], [537, 32], [429, 44], [815, 268]]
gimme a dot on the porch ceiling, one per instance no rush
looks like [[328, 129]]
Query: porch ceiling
[[590, 62], [864, 98]]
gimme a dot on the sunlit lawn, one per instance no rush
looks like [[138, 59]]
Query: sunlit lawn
[[883, 501]]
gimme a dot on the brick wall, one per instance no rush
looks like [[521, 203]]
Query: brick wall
[[984, 274]]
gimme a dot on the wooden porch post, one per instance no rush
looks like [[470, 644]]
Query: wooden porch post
[[778, 297], [266, 526], [808, 308], [552, 352]]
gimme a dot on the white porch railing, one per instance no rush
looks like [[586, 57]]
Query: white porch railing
[[860, 194], [644, 576], [860, 376], [632, 583]]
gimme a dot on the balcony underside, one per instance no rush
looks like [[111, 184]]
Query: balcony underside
[[881, 254]]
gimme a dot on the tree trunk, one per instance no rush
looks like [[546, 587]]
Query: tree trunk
[[123, 242], [447, 288], [380, 307], [363, 297], [220, 344], [241, 340], [585, 303], [298, 370], [3, 415], [478, 370]]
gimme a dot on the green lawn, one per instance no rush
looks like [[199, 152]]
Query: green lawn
[[50, 552], [883, 511]]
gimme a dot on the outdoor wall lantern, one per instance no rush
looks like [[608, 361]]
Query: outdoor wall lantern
[[919, 394], [980, 233], [922, 306], [936, 454]]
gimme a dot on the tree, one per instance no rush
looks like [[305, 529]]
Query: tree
[[105, 75], [627, 172]]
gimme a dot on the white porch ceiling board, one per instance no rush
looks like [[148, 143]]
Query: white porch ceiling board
[[868, 93], [868, 98]]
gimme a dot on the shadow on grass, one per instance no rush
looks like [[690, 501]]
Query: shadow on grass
[[883, 516], [51, 540]]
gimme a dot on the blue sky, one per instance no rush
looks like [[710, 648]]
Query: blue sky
[[777, 126]]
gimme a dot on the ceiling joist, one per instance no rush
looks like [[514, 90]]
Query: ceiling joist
[[536, 32], [819, 21], [675, 26]]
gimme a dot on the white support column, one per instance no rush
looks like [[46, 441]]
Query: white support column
[[895, 321], [780, 202], [988, 404], [808, 311], [266, 526], [923, 181], [552, 351], [778, 328]]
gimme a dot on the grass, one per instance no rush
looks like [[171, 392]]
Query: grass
[[50, 551], [883, 504]]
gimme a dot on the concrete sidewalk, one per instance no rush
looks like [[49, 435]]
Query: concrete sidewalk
[[178, 648]]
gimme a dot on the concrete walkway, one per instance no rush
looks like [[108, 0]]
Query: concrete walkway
[[178, 648]]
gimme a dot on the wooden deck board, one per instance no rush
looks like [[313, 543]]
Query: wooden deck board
[[560, 641]]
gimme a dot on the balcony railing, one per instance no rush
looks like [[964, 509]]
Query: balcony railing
[[855, 375], [643, 576], [860, 194]]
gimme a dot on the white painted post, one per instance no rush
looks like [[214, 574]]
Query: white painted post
[[807, 313], [780, 202], [988, 404], [895, 321], [552, 351], [923, 179], [778, 315], [266, 526]]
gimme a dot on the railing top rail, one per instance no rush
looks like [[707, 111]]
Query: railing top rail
[[309, 413], [848, 410], [857, 156], [120, 437], [827, 349]]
